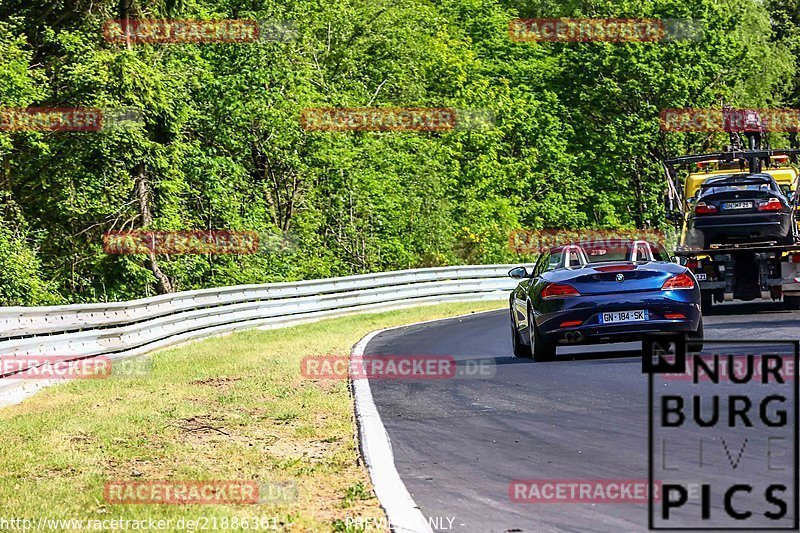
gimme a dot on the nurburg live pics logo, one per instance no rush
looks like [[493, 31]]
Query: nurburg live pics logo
[[729, 422]]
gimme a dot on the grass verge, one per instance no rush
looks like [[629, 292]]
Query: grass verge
[[227, 408]]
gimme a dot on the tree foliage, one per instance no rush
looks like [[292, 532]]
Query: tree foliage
[[575, 143]]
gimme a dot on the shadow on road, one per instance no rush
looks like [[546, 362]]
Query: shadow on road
[[746, 308], [511, 360]]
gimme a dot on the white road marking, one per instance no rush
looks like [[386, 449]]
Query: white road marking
[[403, 512]]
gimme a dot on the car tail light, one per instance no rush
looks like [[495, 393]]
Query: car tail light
[[559, 290], [615, 268], [571, 323], [795, 258], [702, 209], [674, 316], [691, 263], [773, 204], [681, 281]]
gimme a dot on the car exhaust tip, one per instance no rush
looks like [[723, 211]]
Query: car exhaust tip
[[573, 336]]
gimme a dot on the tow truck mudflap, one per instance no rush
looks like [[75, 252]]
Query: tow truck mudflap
[[790, 282]]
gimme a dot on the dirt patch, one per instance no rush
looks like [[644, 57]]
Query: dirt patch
[[203, 423], [212, 431], [311, 451], [221, 381], [80, 438]]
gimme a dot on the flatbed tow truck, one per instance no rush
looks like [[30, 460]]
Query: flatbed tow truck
[[738, 270]]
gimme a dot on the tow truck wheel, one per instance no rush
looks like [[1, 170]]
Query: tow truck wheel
[[706, 301], [792, 302]]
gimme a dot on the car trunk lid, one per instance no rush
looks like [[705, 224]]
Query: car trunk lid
[[619, 277], [737, 201]]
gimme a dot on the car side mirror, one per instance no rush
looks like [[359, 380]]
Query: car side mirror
[[518, 273]]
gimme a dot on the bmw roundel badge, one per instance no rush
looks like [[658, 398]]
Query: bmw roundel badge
[[620, 278]]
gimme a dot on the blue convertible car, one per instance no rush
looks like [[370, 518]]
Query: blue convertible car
[[601, 291]]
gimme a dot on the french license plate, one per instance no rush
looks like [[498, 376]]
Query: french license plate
[[737, 205], [624, 316], [700, 277]]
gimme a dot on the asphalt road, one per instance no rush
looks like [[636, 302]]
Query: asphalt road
[[459, 443]]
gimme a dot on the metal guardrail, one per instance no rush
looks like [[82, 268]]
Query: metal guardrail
[[124, 329]]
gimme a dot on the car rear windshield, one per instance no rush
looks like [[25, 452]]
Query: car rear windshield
[[602, 254], [713, 188]]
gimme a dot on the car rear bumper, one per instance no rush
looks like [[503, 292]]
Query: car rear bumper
[[750, 226], [586, 309]]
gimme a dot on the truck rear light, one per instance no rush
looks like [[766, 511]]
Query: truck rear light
[[702, 209], [681, 281], [559, 290], [773, 204]]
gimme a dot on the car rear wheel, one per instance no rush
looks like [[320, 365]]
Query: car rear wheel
[[540, 350], [695, 343], [520, 349], [792, 302]]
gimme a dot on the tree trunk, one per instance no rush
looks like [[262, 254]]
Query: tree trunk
[[163, 285], [125, 19], [639, 200]]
